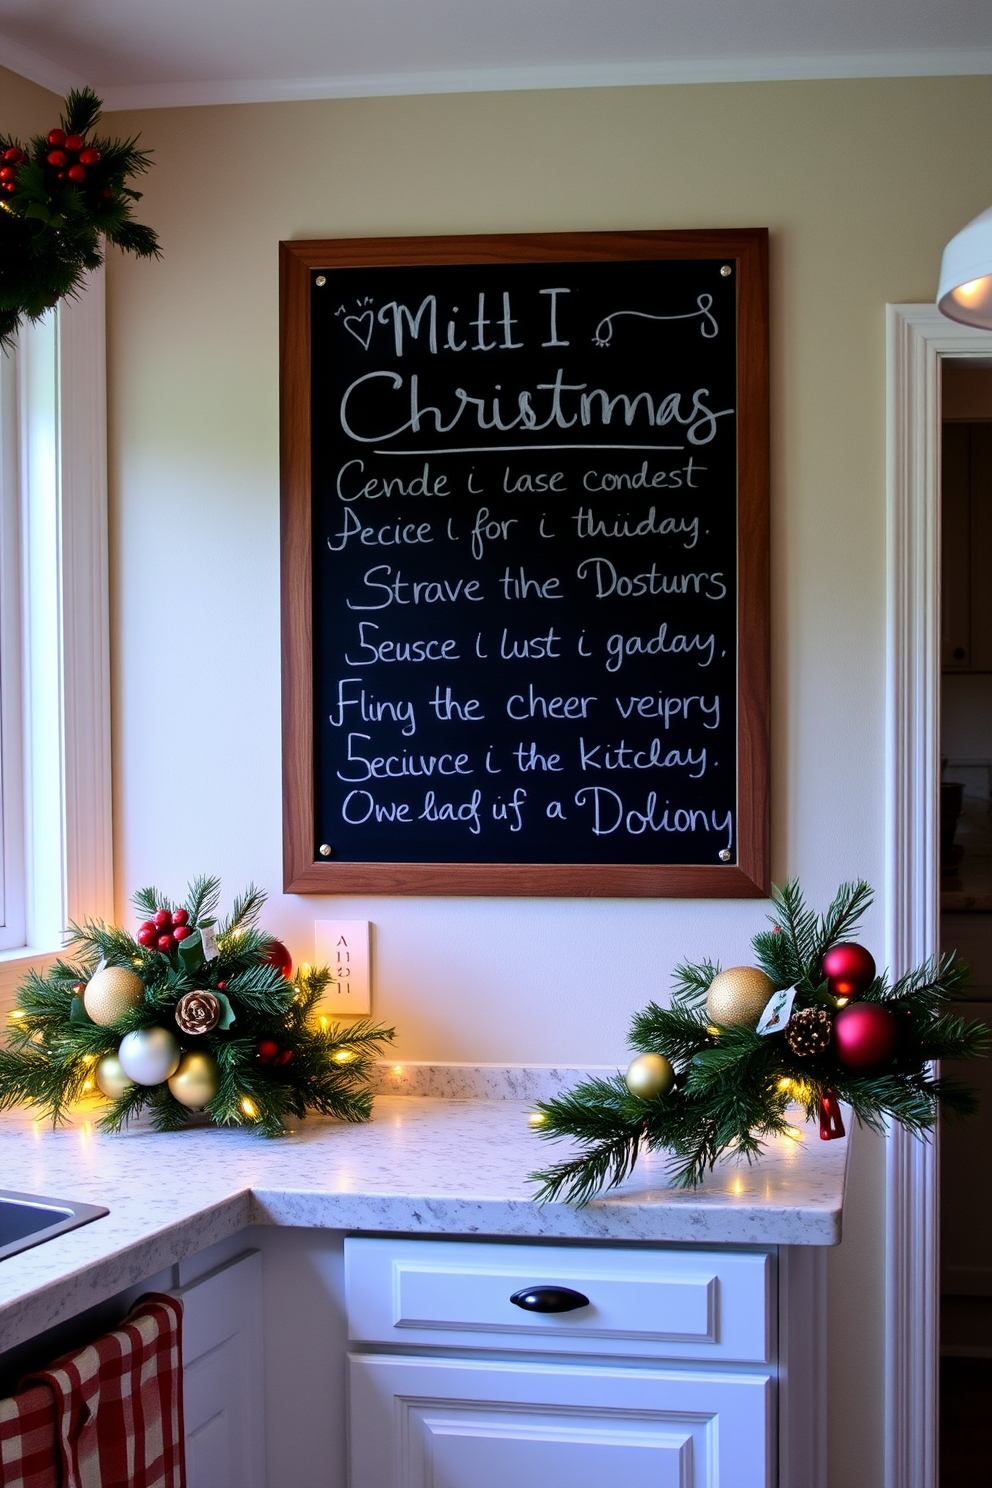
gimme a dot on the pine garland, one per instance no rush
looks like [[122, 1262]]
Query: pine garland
[[53, 216], [733, 1086], [53, 1046]]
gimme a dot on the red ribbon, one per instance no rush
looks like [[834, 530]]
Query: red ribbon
[[831, 1124]]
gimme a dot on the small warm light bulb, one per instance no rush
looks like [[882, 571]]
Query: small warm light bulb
[[536, 1118], [843, 1001], [17, 1013], [248, 1108], [87, 1084], [785, 1085], [325, 1024], [966, 293], [344, 1055], [712, 1030]]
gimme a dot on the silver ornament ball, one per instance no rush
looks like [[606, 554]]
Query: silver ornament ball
[[149, 1055]]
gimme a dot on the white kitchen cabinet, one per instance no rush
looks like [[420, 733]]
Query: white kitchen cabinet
[[223, 1376], [654, 1378], [457, 1423]]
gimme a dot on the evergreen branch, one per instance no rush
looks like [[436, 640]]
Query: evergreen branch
[[676, 1033], [245, 912], [125, 1108], [147, 901], [798, 925], [579, 1179], [202, 899], [851, 902], [691, 982]]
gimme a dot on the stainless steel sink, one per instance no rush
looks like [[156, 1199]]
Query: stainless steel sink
[[27, 1219]]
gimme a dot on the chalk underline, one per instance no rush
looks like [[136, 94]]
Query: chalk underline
[[507, 449]]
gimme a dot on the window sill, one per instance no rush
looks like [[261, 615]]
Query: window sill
[[13, 966]]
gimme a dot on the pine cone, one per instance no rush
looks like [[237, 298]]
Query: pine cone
[[808, 1032], [197, 1012]]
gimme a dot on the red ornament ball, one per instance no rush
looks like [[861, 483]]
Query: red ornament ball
[[221, 986], [276, 954], [165, 944], [58, 158], [147, 935], [181, 932], [73, 141], [285, 1057], [56, 137], [180, 916], [7, 173], [865, 1035], [163, 919], [849, 969], [266, 1051], [76, 173], [89, 156]]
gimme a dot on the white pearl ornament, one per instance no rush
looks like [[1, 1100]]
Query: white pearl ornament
[[149, 1055]]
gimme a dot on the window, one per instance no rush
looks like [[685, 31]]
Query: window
[[54, 654]]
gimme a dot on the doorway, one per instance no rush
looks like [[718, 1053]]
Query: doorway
[[965, 1182]]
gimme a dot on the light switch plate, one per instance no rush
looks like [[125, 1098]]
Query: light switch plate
[[343, 945]]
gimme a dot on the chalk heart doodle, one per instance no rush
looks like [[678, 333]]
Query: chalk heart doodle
[[361, 327]]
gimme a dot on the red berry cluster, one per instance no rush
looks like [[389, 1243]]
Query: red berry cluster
[[70, 156], [166, 928], [11, 158], [267, 1051]]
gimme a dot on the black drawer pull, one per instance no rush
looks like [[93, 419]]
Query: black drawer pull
[[549, 1299]]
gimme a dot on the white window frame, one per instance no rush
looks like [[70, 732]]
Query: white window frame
[[55, 715]]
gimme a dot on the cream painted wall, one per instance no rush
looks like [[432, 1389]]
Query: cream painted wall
[[860, 184], [26, 109]]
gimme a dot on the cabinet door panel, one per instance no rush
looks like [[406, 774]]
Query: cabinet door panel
[[222, 1376], [435, 1423]]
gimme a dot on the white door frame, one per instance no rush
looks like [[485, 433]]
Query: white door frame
[[919, 337]]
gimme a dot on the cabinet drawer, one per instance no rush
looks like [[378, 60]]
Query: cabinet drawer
[[460, 1423], [685, 1304]]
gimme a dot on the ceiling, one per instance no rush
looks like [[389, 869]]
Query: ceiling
[[148, 53]]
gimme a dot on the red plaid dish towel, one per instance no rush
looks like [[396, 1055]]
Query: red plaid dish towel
[[119, 1403], [29, 1456]]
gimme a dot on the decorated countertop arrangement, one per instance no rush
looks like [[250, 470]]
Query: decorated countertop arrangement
[[188, 1014], [810, 1025]]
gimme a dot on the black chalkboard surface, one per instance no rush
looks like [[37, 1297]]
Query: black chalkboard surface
[[533, 489]]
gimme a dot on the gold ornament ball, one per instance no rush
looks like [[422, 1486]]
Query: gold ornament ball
[[738, 995], [196, 1081], [649, 1075], [111, 993], [110, 1078]]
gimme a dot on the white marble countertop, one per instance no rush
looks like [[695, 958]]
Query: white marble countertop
[[424, 1166]]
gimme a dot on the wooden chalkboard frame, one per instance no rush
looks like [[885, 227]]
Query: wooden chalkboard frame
[[748, 878]]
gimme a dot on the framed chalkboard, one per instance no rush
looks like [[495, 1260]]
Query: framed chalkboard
[[525, 564]]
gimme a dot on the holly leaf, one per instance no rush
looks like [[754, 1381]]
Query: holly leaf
[[227, 1014]]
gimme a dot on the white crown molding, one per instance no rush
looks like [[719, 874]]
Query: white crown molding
[[36, 68], [117, 96], [919, 337]]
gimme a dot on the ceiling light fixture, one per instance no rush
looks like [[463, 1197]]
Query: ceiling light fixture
[[965, 290]]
